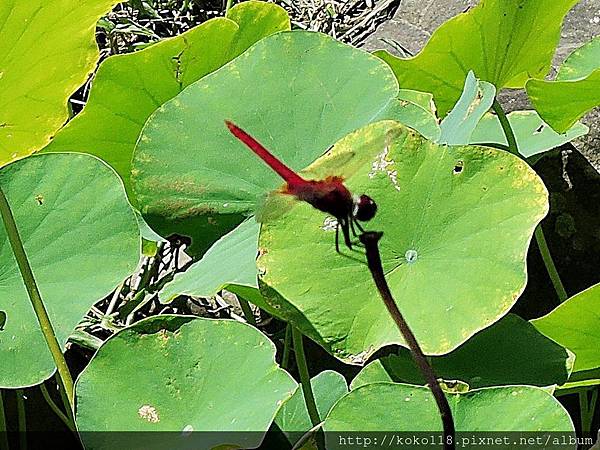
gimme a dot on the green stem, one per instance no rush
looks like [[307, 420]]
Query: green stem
[[228, 6], [85, 340], [35, 297], [309, 397], [146, 269], [247, 310], [287, 341], [130, 306], [307, 392], [549, 263], [115, 299], [54, 407], [299, 445], [539, 233], [155, 266], [3, 426], [22, 419], [142, 298], [508, 132], [64, 398]]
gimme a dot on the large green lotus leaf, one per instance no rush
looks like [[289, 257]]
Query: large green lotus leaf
[[231, 260], [457, 222], [505, 42], [401, 407], [422, 99], [296, 91], [416, 110], [47, 50], [81, 238], [476, 99], [511, 351], [575, 324], [256, 20], [533, 135], [128, 88], [413, 116], [575, 91], [181, 374], [293, 419]]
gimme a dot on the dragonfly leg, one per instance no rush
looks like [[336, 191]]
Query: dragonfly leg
[[354, 233], [344, 225], [359, 226], [346, 232], [352, 227]]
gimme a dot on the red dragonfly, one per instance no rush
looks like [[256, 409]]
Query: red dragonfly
[[328, 195]]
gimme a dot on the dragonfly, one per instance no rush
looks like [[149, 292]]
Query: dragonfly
[[329, 195]]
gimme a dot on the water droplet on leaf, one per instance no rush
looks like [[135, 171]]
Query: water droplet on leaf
[[411, 256]]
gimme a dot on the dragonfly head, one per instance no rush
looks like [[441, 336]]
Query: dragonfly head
[[364, 208]]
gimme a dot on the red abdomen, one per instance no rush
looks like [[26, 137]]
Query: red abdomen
[[291, 177]]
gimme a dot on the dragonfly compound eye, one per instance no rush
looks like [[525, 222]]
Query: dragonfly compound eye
[[364, 208]]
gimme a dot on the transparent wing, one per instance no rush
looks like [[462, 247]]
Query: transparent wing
[[346, 157], [273, 205]]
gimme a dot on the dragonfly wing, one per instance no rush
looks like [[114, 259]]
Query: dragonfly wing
[[272, 206], [345, 158], [322, 167]]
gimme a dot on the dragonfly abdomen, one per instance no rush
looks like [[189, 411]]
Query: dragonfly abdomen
[[291, 177]]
